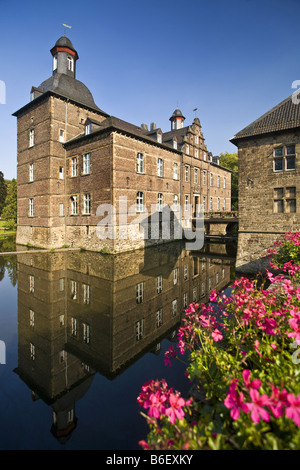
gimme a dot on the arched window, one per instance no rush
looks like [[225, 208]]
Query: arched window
[[70, 63], [55, 62]]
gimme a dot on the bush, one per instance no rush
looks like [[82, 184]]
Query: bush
[[243, 357]]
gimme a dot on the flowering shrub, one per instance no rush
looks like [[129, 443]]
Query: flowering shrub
[[242, 355], [286, 253]]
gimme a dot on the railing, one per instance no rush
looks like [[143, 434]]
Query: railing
[[221, 215]]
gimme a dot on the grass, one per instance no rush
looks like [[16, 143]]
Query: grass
[[5, 233]]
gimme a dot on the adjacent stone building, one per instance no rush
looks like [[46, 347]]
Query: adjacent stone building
[[269, 188], [76, 162]]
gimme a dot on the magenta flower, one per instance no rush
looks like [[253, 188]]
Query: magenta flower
[[235, 401], [213, 296], [175, 410], [256, 383], [256, 407], [217, 335], [292, 410], [170, 353], [277, 401], [155, 404], [256, 344]]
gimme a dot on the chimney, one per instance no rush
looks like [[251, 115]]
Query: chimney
[[152, 126], [144, 126]]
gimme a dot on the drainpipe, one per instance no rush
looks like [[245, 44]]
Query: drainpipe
[[65, 173]]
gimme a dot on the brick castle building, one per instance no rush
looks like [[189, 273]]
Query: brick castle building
[[75, 160], [268, 182]]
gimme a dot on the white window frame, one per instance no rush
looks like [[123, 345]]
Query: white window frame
[[73, 167], [70, 63], [140, 201], [204, 178], [61, 173], [87, 164], [174, 307], [211, 179], [140, 163], [31, 138], [196, 153], [186, 174], [175, 276], [159, 314], [159, 284], [160, 167], [74, 326], [54, 62], [224, 182], [74, 290], [218, 181], [196, 139], [196, 176], [86, 333], [186, 202], [210, 203], [160, 198], [175, 171], [31, 318], [88, 128], [61, 209], [176, 202], [87, 204], [74, 205], [204, 203], [31, 207], [61, 135], [86, 294], [139, 292], [31, 172], [139, 329]]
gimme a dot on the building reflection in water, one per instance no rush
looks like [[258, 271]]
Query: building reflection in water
[[85, 313]]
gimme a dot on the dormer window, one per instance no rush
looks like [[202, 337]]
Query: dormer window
[[175, 144], [88, 128], [70, 63], [159, 138], [54, 63]]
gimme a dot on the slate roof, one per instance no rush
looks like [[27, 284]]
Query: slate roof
[[284, 116], [69, 87], [180, 134]]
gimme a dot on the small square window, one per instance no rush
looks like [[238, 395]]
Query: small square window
[[290, 163], [278, 164]]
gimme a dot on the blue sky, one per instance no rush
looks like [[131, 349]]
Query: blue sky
[[232, 59]]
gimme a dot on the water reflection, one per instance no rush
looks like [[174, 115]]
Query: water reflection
[[85, 313]]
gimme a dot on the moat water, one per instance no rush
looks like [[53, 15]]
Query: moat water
[[82, 332]]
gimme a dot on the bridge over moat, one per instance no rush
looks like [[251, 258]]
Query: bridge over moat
[[220, 224]]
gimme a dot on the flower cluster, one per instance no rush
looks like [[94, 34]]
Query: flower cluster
[[280, 402], [161, 401]]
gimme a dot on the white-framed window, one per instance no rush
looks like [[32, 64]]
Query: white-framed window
[[86, 333], [174, 307], [62, 356], [88, 128], [54, 62], [211, 179], [185, 300], [61, 173], [186, 174], [217, 278], [175, 171], [32, 351], [224, 182], [185, 272], [175, 276], [74, 326], [218, 204], [31, 172], [87, 164], [186, 202], [70, 417], [195, 294], [204, 203], [140, 201], [61, 320], [196, 153], [196, 139], [140, 163], [224, 204], [139, 293], [174, 144], [139, 329], [31, 138], [159, 314], [160, 167], [61, 284], [187, 149], [204, 178], [61, 135], [70, 63], [210, 203], [160, 202], [86, 294], [31, 317], [284, 158], [196, 176], [31, 284], [31, 207], [176, 205], [159, 281], [74, 290], [74, 205], [218, 181], [87, 203], [61, 209], [223, 273], [159, 137], [74, 166], [204, 156]]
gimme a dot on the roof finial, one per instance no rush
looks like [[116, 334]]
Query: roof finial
[[66, 26], [194, 110]]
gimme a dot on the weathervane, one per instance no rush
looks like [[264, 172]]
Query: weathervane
[[194, 110], [66, 26]]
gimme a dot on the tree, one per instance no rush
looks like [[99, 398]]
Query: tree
[[230, 161], [9, 212], [3, 192]]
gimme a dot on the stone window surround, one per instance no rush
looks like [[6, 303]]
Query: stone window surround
[[284, 156]]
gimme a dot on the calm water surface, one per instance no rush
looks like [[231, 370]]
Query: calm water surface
[[84, 331]]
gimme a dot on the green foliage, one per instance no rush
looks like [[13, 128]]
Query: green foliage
[[230, 161], [3, 192], [9, 212]]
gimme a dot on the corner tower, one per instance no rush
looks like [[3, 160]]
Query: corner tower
[[56, 112]]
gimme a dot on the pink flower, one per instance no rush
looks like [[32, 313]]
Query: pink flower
[[256, 383], [216, 334], [235, 401], [277, 401], [256, 344], [175, 410], [293, 408], [145, 445], [170, 353], [256, 407], [213, 296]]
